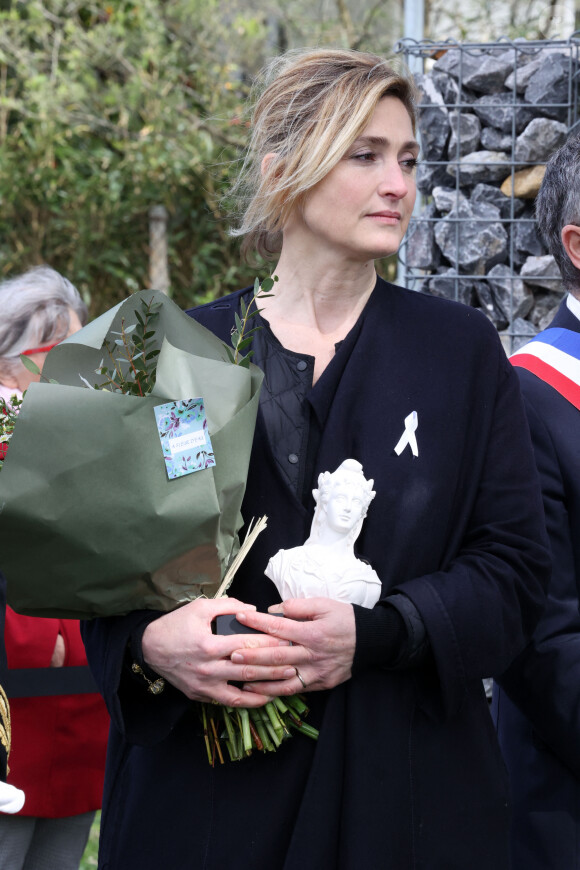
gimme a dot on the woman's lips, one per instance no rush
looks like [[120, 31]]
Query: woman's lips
[[388, 217]]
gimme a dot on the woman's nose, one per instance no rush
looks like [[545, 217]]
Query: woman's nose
[[395, 183]]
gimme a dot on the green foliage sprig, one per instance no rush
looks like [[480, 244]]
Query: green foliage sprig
[[241, 336], [133, 368]]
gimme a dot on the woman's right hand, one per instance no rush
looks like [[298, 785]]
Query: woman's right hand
[[181, 647]]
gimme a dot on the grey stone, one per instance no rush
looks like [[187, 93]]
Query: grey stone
[[433, 119], [480, 166], [420, 249], [510, 294], [522, 73], [487, 211], [545, 307], [489, 193], [542, 272], [481, 71], [521, 332], [447, 87], [495, 140], [430, 175], [539, 140], [549, 84], [446, 198], [465, 129], [502, 111], [489, 305], [527, 239], [448, 284], [471, 239]]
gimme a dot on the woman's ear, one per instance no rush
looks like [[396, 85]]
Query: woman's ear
[[571, 242], [267, 160], [7, 379]]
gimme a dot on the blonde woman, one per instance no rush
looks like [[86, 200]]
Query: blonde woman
[[406, 772]]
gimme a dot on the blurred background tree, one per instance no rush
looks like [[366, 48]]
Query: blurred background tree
[[106, 111], [110, 109]]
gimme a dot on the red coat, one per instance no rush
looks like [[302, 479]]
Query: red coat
[[58, 742]]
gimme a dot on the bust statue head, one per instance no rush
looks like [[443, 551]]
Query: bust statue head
[[342, 501], [325, 565]]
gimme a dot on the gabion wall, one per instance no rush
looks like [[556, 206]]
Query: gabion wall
[[490, 116]]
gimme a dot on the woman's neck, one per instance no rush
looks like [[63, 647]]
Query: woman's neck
[[321, 295], [314, 306]]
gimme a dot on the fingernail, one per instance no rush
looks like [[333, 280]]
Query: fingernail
[[284, 643], [290, 672], [241, 617], [237, 657]]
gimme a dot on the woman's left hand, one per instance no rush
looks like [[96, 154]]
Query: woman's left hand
[[323, 634]]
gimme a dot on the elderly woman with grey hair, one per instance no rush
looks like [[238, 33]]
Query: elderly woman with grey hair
[[39, 309], [58, 740]]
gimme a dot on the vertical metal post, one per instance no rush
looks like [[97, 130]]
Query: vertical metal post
[[158, 259], [414, 27]]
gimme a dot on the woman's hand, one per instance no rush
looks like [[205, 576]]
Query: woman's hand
[[180, 647], [322, 632], [59, 653]]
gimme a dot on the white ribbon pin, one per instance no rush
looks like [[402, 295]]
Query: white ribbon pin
[[408, 436]]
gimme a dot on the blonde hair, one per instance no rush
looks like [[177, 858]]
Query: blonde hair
[[313, 106]]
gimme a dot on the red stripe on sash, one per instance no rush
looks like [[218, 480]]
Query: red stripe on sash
[[550, 375]]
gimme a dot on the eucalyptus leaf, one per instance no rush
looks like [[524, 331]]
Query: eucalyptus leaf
[[245, 343], [29, 364]]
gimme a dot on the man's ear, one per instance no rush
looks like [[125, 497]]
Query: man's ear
[[571, 242]]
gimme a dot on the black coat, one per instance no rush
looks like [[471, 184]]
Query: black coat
[[540, 732], [407, 772]]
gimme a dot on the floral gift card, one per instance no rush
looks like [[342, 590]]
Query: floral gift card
[[184, 437]]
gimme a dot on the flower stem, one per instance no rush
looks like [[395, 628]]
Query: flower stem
[[246, 733]]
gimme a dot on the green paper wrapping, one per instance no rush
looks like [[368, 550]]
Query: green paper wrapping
[[90, 525]]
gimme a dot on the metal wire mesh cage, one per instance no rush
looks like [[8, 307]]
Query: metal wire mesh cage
[[490, 115]]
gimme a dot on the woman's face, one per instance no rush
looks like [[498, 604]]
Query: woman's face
[[26, 377], [361, 209]]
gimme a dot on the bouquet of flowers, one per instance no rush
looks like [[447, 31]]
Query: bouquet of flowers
[[127, 467], [116, 523]]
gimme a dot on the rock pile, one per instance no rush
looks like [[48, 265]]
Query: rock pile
[[489, 119]]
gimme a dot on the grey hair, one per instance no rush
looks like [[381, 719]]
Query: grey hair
[[34, 311], [558, 204]]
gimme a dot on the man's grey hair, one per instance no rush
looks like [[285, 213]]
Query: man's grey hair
[[34, 311], [558, 204]]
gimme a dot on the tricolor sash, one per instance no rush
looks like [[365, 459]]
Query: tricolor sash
[[554, 357]]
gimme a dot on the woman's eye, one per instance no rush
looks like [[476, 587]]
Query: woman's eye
[[365, 157], [409, 164]]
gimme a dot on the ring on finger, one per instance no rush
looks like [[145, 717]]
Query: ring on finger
[[300, 677]]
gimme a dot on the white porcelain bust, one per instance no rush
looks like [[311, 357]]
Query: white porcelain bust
[[325, 565]]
